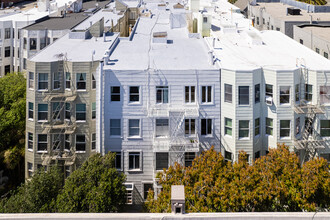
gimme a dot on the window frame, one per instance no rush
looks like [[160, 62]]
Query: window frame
[[162, 90], [114, 94], [134, 168], [228, 127], [31, 80], [257, 127], [43, 143], [67, 111], [188, 158], [308, 92], [81, 112], [29, 169], [30, 111], [93, 142], [257, 93], [269, 92], [208, 95], [81, 143], [323, 96], [228, 93], [120, 125], [56, 81], [93, 81], [242, 95], [207, 121], [162, 125], [7, 33], [30, 141], [42, 120], [241, 129], [129, 134], [190, 94], [270, 127], [297, 93], [282, 129], [157, 159], [134, 94], [93, 110], [284, 96], [324, 129], [67, 142], [44, 81], [7, 51], [67, 80], [190, 126], [120, 154], [80, 83]]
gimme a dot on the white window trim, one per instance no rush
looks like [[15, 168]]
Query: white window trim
[[81, 151], [42, 111], [155, 132], [80, 121], [43, 90], [224, 130], [184, 95], [81, 90], [285, 138], [42, 151], [254, 128], [91, 144], [121, 160], [201, 95], [243, 105], [140, 129], [121, 129], [140, 96], [140, 162], [196, 127], [249, 129], [168, 95], [29, 141], [290, 95], [68, 89], [212, 128], [120, 93], [269, 135], [28, 112], [142, 186], [59, 81]]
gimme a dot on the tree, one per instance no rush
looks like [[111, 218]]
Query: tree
[[275, 182], [37, 195], [12, 127], [96, 186]]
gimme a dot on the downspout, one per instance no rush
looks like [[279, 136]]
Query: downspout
[[99, 94]]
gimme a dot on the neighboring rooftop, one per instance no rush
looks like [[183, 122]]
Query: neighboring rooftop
[[173, 50], [279, 11], [68, 21], [321, 32]]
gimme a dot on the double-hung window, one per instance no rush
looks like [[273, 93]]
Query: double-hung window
[[7, 51], [189, 94], [134, 94], [56, 107], [67, 144], [42, 112], [206, 126], [269, 90], [162, 128], [43, 81], [57, 141], [162, 94], [80, 142], [308, 92], [31, 80], [56, 80], [67, 80], [284, 94], [189, 126], [134, 128], [228, 93], [134, 160], [30, 169], [297, 92], [324, 94], [30, 116], [93, 82], [80, 112], [269, 126], [206, 94], [189, 158], [93, 110], [93, 141], [243, 95], [42, 142], [67, 111], [284, 128], [30, 141], [161, 160], [228, 127], [257, 93], [243, 129], [115, 94], [115, 127], [325, 128], [256, 126], [81, 81], [7, 33]]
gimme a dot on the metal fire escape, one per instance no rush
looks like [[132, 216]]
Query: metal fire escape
[[310, 140], [59, 126]]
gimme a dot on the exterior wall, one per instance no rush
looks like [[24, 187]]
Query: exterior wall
[[37, 127], [145, 110], [311, 40]]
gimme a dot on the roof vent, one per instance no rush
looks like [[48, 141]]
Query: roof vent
[[293, 11], [159, 37]]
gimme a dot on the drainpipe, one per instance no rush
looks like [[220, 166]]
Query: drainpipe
[[99, 122]]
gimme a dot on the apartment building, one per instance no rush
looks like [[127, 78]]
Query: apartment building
[[315, 37], [12, 22], [283, 15], [159, 100], [273, 90], [61, 94]]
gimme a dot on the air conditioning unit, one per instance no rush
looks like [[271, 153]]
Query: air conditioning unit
[[269, 100]]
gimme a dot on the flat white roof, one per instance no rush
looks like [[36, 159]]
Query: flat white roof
[[179, 52], [76, 50]]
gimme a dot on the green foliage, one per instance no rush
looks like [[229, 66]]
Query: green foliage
[[37, 195], [96, 186], [275, 182]]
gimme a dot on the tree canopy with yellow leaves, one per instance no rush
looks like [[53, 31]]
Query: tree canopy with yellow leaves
[[276, 182]]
